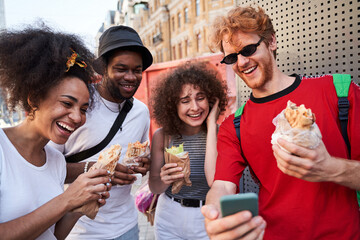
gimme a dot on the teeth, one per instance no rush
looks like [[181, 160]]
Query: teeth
[[197, 115], [249, 70], [66, 127]]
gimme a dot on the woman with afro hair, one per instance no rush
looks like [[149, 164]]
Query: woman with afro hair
[[48, 75], [186, 105]]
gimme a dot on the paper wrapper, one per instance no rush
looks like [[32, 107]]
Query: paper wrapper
[[309, 136], [107, 160], [134, 151], [184, 162], [90, 209]]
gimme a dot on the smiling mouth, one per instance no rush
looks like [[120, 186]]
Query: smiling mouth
[[65, 127], [249, 70], [128, 86], [195, 115]]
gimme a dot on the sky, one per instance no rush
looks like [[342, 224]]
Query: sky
[[82, 17]]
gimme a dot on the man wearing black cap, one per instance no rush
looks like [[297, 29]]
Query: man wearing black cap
[[122, 59]]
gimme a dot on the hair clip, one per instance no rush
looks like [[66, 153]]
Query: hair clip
[[72, 61]]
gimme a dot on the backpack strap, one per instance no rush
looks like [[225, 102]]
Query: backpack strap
[[342, 85], [236, 120]]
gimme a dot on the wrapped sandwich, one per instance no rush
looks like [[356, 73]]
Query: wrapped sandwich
[[134, 151], [296, 124], [108, 159], [181, 158]]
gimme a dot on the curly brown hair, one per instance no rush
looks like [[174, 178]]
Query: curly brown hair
[[246, 19], [166, 94], [33, 60]]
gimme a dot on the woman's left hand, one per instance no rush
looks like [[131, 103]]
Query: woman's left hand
[[214, 113]]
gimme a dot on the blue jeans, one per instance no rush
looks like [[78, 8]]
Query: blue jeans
[[132, 234]]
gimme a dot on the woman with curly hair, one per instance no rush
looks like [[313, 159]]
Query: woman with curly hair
[[186, 104], [47, 74]]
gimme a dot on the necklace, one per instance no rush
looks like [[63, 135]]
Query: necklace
[[108, 107]]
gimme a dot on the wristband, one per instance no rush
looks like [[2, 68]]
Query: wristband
[[86, 166]]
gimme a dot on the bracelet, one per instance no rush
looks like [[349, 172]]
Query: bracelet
[[86, 167]]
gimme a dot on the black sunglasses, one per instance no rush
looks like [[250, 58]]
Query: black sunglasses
[[246, 52]]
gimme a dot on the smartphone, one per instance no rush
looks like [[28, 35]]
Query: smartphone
[[231, 204]]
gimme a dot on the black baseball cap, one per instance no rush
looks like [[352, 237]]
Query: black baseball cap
[[123, 37]]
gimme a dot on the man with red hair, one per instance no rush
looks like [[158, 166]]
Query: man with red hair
[[304, 193]]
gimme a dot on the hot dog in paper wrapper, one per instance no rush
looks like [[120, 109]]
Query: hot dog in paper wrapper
[[181, 158], [108, 159], [296, 124]]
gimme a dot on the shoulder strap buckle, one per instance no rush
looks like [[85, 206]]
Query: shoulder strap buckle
[[343, 104]]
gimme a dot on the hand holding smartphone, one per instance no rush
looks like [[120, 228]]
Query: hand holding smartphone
[[231, 204]]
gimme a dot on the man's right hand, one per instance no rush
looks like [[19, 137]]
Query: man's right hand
[[237, 226], [122, 175]]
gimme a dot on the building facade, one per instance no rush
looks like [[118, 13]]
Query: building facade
[[171, 29], [177, 29]]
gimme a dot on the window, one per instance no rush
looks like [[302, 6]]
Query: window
[[186, 47], [197, 7], [159, 56], [173, 23], [174, 52], [180, 51], [198, 41], [186, 15], [179, 20]]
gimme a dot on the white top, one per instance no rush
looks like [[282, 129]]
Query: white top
[[119, 214], [25, 187]]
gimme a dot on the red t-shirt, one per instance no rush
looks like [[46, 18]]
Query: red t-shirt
[[294, 208]]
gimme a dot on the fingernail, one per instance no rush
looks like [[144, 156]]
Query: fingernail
[[109, 179], [213, 213], [107, 184], [108, 171], [262, 226], [257, 220], [246, 215]]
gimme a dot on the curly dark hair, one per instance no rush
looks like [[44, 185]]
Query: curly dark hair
[[33, 60], [166, 94]]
